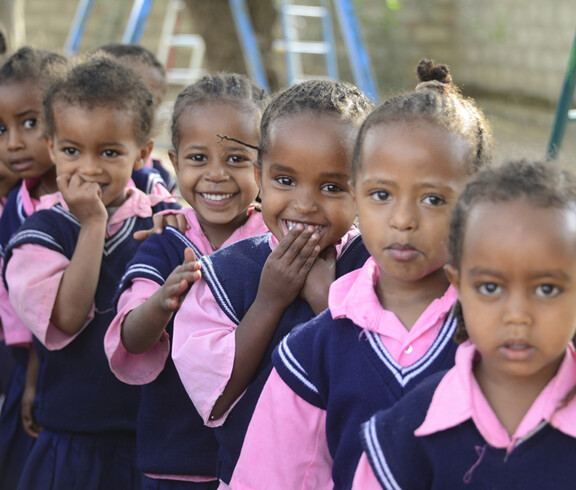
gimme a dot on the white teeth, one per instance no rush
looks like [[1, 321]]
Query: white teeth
[[292, 224], [216, 197]]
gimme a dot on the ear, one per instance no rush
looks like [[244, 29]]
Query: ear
[[258, 176], [50, 145], [174, 159], [145, 151], [453, 276]]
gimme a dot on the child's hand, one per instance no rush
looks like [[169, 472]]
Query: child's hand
[[84, 199], [287, 267], [161, 221], [179, 281], [318, 280], [30, 424]]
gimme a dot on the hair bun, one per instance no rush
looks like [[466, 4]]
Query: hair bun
[[431, 74]]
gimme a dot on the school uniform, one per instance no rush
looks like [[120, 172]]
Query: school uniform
[[174, 445], [330, 375], [88, 417], [204, 332], [445, 435]]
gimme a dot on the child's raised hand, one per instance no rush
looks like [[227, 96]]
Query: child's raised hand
[[179, 281], [318, 280], [84, 199], [161, 221], [287, 267]]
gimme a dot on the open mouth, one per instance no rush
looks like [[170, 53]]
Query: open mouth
[[216, 197], [289, 224], [21, 164]]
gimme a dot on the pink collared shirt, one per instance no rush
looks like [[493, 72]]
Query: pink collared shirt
[[204, 344], [15, 331], [300, 458], [34, 273], [144, 368], [458, 398]]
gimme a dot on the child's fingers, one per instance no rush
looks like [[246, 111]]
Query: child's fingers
[[141, 235], [63, 181], [189, 256], [298, 243]]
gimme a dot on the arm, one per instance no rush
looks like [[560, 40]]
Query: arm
[[282, 278], [317, 284], [143, 326], [285, 457], [162, 220], [30, 424], [80, 279]]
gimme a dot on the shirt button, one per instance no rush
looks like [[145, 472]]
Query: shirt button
[[408, 349]]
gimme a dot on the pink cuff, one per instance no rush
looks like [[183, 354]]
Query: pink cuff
[[134, 369]]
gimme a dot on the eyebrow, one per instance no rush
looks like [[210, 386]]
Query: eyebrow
[[555, 273], [28, 112], [327, 175]]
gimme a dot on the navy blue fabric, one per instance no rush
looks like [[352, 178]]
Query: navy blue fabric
[[156, 484], [460, 457], [63, 461], [146, 179], [338, 367], [233, 275], [13, 215], [172, 437], [77, 392]]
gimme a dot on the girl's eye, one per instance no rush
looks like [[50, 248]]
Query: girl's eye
[[236, 159], [30, 123], [110, 153], [2, 129], [548, 291], [70, 151], [433, 200], [488, 288], [380, 195], [332, 188], [197, 157], [284, 180]]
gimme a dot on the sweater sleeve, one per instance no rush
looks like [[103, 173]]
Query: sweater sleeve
[[134, 369], [203, 349], [33, 274], [285, 457]]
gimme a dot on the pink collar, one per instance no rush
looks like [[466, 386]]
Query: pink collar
[[353, 296], [458, 398], [28, 202]]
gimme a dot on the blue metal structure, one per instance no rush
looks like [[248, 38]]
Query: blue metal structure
[[77, 28], [563, 114], [137, 21]]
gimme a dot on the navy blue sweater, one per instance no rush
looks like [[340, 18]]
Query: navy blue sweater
[[233, 275], [346, 371], [459, 457], [172, 437], [77, 392]]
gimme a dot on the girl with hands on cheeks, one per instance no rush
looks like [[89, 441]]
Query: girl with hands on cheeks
[[255, 291], [63, 267], [387, 325], [216, 178]]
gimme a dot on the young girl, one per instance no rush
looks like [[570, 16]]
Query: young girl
[[216, 177], [63, 266], [146, 66], [505, 415], [255, 291], [23, 80], [387, 326]]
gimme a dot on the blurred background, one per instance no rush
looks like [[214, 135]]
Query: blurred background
[[512, 56]]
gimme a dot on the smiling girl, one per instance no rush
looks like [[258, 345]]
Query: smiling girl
[[255, 291], [62, 269]]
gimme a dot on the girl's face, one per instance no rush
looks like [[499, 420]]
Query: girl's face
[[305, 177], [517, 282], [99, 145], [217, 177], [22, 145], [8, 179], [409, 179]]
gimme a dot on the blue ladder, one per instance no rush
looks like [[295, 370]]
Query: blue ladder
[[563, 112], [294, 47]]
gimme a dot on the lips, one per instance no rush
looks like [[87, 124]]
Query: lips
[[21, 164], [216, 199], [517, 350], [402, 252]]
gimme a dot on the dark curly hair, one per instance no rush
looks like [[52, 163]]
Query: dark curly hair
[[102, 82], [543, 185], [32, 65], [320, 97], [230, 87], [436, 100]]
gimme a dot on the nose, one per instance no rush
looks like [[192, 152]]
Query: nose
[[89, 166], [216, 172], [15, 141], [403, 216], [305, 201], [517, 309]]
